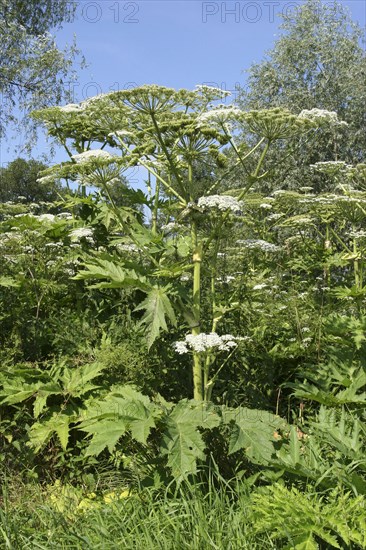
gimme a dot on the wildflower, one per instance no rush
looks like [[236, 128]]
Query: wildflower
[[169, 227], [259, 286], [93, 154], [274, 217], [53, 245], [322, 115], [127, 247], [212, 89], [221, 202], [330, 166], [81, 232], [71, 108], [204, 342], [259, 244], [360, 234], [219, 115], [46, 218]]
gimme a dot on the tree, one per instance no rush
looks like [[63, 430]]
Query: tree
[[19, 179], [33, 71], [318, 62]]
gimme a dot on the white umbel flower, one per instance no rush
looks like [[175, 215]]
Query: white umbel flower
[[204, 89], [80, 232], [322, 115], [46, 218], [259, 244], [71, 108], [219, 115], [203, 342], [93, 154], [221, 202]]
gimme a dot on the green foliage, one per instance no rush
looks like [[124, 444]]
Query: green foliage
[[305, 519], [67, 384]]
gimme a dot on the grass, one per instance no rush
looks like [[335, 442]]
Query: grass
[[191, 518]]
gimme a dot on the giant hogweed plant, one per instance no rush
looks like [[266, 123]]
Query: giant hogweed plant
[[170, 133]]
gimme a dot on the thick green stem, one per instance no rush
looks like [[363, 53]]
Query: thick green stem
[[327, 246], [356, 263], [154, 225], [197, 362]]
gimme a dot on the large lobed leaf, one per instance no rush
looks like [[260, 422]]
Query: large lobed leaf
[[182, 441], [157, 308], [254, 431]]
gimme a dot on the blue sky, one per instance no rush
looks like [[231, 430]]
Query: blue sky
[[173, 43]]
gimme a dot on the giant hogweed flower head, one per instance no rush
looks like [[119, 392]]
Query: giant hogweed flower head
[[201, 343], [219, 116], [331, 167], [72, 108], [221, 203], [93, 154], [80, 233], [322, 116], [258, 244], [211, 92]]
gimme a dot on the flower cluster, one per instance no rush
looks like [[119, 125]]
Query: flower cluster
[[131, 248], [322, 115], [259, 244], [275, 216], [221, 202], [333, 199], [169, 227], [93, 154], [219, 115], [330, 166], [204, 89], [82, 232], [205, 342], [259, 286], [46, 218], [360, 234], [71, 108]]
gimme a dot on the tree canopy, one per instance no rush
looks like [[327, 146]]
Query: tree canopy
[[18, 181], [33, 70], [317, 62]]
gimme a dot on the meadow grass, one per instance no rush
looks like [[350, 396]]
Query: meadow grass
[[191, 517]]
